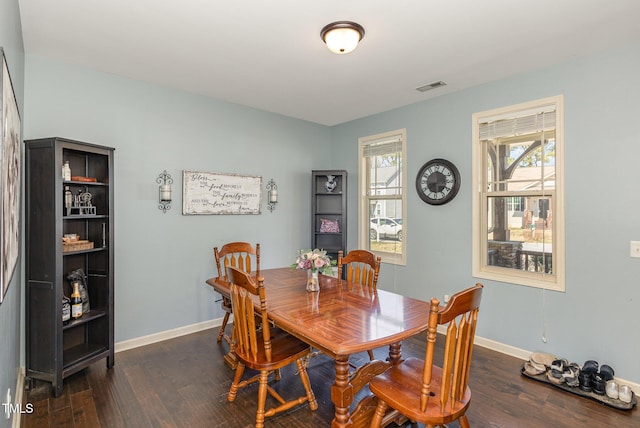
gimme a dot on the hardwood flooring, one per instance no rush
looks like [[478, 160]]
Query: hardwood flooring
[[183, 382]]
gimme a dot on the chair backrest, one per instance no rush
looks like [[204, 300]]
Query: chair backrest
[[238, 255], [461, 315], [245, 333], [362, 267]]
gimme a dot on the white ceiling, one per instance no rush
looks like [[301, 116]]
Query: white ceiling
[[269, 55]]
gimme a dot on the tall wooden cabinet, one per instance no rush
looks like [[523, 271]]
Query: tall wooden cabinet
[[55, 351], [329, 211]]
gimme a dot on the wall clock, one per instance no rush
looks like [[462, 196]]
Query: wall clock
[[438, 182]]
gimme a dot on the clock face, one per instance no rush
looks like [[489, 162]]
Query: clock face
[[438, 181]]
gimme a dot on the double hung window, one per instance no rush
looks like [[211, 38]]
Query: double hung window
[[382, 205], [518, 205]]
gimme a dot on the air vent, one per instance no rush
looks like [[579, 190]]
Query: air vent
[[431, 86]]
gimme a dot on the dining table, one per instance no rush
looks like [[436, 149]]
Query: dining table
[[341, 319]]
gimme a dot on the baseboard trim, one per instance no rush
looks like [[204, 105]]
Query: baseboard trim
[[524, 355], [166, 335], [17, 416]]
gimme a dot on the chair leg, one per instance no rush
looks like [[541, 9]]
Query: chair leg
[[381, 409], [371, 356], [222, 327], [304, 377], [236, 380], [464, 422], [262, 398]]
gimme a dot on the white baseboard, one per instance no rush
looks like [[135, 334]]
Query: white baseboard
[[165, 335], [15, 423], [524, 355]]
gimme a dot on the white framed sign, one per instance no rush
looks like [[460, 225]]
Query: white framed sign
[[218, 193]]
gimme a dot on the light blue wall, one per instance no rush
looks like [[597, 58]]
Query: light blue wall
[[163, 260], [11, 307], [597, 316]]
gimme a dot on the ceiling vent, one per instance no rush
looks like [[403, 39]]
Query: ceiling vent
[[430, 86]]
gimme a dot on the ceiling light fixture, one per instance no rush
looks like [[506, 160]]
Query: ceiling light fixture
[[342, 37]]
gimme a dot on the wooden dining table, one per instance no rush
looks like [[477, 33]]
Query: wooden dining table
[[341, 319]]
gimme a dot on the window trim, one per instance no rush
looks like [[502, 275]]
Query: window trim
[[363, 198], [480, 269]]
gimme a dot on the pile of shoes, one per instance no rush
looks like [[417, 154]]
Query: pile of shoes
[[590, 377]]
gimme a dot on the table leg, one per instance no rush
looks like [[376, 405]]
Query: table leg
[[341, 393], [395, 354]]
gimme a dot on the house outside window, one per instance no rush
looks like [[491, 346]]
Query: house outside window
[[382, 204], [518, 204]]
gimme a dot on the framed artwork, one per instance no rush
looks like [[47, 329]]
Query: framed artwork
[[216, 193], [9, 179]]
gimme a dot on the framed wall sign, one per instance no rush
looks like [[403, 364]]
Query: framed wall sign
[[9, 179], [216, 193]]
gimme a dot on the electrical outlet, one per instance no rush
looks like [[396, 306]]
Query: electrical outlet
[[635, 249], [446, 298]]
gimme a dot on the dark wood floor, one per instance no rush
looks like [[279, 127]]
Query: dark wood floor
[[183, 382]]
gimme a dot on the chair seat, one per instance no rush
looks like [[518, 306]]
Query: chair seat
[[400, 387], [285, 349]]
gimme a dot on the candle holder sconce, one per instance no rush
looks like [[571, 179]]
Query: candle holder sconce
[[272, 195], [165, 181]]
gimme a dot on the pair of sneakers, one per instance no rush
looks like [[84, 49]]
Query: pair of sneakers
[[594, 377], [562, 371]]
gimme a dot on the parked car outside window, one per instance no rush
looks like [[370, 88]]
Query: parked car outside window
[[385, 227]]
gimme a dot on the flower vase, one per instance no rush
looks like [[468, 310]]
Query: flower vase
[[312, 280]]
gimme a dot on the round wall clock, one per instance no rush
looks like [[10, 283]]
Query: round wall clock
[[438, 181]]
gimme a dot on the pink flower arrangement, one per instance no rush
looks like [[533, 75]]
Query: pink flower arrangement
[[314, 260]]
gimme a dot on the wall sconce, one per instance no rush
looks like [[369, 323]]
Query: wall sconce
[[272, 195], [165, 181]]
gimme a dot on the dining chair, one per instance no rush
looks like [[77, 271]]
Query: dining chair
[[262, 347], [239, 255], [422, 391], [360, 267]]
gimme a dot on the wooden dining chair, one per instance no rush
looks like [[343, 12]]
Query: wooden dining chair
[[422, 391], [360, 267], [262, 347], [239, 255]]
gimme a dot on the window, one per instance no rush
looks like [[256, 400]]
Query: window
[[518, 207], [382, 202]]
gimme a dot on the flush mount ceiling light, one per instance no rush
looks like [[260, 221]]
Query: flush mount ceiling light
[[342, 37]]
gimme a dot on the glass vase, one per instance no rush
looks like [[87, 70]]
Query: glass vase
[[312, 280]]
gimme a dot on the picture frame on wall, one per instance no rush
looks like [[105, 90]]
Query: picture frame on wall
[[9, 179], [220, 193]]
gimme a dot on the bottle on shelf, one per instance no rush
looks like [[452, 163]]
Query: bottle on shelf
[[68, 198], [66, 310], [66, 171], [76, 301]]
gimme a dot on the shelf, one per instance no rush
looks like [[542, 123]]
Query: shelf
[[80, 353], [90, 250], [85, 318], [84, 183], [84, 216]]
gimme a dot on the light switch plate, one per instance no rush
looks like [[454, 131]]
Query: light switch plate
[[635, 249]]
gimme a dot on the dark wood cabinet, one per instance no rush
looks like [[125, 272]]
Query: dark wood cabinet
[[329, 211], [55, 351]]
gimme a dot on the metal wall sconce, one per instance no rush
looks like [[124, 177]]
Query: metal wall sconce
[[165, 181], [272, 195]]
